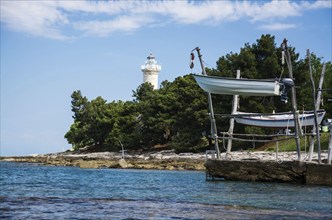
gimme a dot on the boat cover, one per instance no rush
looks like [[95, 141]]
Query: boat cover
[[278, 120], [233, 86]]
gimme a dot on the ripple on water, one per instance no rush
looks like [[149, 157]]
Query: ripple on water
[[39, 192], [87, 208]]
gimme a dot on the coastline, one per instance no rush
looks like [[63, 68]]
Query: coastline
[[162, 160]]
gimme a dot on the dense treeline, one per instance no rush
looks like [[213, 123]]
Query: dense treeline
[[176, 115]]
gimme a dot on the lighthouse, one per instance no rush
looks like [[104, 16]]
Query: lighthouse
[[150, 71]]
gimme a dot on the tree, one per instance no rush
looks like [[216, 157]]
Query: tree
[[189, 114], [125, 127], [98, 121], [176, 115], [78, 133]]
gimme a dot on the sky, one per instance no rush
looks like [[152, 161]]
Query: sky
[[51, 48]]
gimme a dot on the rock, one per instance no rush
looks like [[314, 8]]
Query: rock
[[320, 174], [123, 164], [271, 171], [255, 170]]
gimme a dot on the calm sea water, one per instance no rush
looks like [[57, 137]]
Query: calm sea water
[[30, 191]]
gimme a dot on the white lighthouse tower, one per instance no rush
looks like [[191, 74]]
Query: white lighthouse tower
[[150, 71]]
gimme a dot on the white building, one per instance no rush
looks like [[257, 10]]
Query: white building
[[150, 71]]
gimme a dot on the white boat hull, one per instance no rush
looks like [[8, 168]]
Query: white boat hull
[[232, 86], [280, 121]]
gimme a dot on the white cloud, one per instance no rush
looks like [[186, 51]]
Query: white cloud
[[193, 13], [273, 9], [317, 4], [96, 7], [51, 19], [277, 26], [106, 27], [34, 17]]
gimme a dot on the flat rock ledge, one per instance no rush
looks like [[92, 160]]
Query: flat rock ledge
[[160, 161], [270, 171]]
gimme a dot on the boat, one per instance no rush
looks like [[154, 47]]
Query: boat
[[280, 120], [233, 86]]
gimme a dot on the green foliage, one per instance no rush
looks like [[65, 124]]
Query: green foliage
[[173, 113], [290, 145], [176, 115]]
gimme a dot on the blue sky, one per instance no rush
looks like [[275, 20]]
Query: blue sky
[[51, 48]]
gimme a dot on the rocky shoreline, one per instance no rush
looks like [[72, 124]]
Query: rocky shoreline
[[166, 160], [163, 160]]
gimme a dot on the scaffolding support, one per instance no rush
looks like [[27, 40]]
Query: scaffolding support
[[294, 103], [235, 105], [214, 131]]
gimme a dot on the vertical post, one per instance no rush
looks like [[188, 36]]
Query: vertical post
[[329, 151], [317, 106], [315, 112], [231, 120], [294, 104], [277, 151], [123, 155], [214, 131]]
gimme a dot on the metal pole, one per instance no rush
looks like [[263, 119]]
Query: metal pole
[[214, 131], [123, 155], [231, 120], [315, 112], [277, 150], [296, 116]]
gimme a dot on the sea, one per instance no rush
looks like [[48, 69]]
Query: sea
[[34, 191]]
